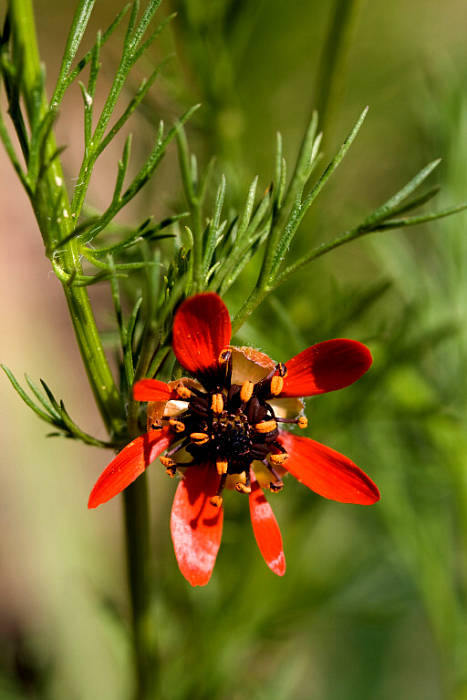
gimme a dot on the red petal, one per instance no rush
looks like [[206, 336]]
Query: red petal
[[327, 472], [152, 390], [196, 525], [326, 366], [128, 465], [201, 330], [266, 530]]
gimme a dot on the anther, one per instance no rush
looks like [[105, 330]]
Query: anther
[[167, 462], [199, 438], [177, 425], [277, 384], [266, 426], [217, 403], [282, 369], [217, 499], [278, 459], [222, 465], [302, 422], [243, 483], [242, 488], [183, 391], [246, 391], [278, 484]]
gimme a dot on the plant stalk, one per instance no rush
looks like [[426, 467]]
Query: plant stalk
[[331, 74], [136, 514], [55, 228]]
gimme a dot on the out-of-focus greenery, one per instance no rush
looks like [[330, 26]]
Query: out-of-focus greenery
[[373, 604]]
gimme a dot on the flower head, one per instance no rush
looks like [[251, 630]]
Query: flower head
[[223, 429]]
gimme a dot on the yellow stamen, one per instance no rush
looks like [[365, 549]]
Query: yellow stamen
[[222, 466], [276, 486], [302, 422], [177, 425], [278, 459], [183, 391], [277, 384], [199, 438], [216, 501], [282, 369], [241, 485], [167, 462], [246, 391], [217, 403], [266, 426]]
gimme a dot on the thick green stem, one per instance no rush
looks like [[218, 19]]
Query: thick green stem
[[137, 536], [56, 224], [137, 550]]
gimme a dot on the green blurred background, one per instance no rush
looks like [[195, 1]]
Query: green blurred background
[[373, 604]]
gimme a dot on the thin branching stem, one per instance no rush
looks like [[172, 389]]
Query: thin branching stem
[[331, 67], [194, 202]]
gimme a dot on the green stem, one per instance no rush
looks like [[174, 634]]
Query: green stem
[[254, 300], [51, 189], [260, 293], [327, 88], [198, 277], [137, 536], [204, 46], [55, 229], [331, 73], [194, 205], [136, 513]]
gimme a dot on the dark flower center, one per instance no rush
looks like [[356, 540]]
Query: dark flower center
[[230, 426], [231, 435], [223, 428]]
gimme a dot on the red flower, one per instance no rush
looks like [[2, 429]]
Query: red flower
[[222, 431]]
